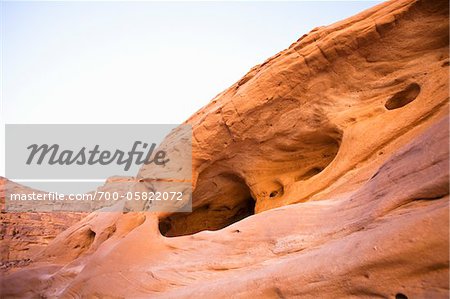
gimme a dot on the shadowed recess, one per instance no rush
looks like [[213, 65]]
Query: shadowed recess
[[231, 203], [404, 97]]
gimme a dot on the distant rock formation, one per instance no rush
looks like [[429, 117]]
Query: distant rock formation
[[323, 173], [23, 235]]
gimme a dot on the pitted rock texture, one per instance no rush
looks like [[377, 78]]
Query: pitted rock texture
[[323, 173], [308, 119]]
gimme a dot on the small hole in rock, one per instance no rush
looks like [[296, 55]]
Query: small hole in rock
[[164, 227], [401, 296], [403, 97], [273, 194]]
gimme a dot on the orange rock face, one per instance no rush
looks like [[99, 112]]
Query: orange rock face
[[23, 235], [323, 173]]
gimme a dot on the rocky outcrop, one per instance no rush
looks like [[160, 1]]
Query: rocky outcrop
[[23, 235], [307, 120], [322, 173]]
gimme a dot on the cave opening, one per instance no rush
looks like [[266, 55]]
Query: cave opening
[[226, 201]]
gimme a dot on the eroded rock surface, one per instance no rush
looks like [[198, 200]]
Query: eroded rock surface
[[330, 162], [23, 235]]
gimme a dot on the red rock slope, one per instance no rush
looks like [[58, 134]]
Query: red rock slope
[[339, 147], [23, 235]]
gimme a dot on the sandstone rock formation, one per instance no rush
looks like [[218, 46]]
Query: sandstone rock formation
[[23, 235], [330, 162]]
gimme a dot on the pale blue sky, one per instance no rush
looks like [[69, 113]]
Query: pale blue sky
[[140, 62]]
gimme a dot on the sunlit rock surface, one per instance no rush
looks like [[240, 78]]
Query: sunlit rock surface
[[323, 173]]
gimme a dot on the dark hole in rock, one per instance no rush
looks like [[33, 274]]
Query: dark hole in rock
[[401, 296], [232, 203], [403, 97], [164, 227], [273, 193]]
